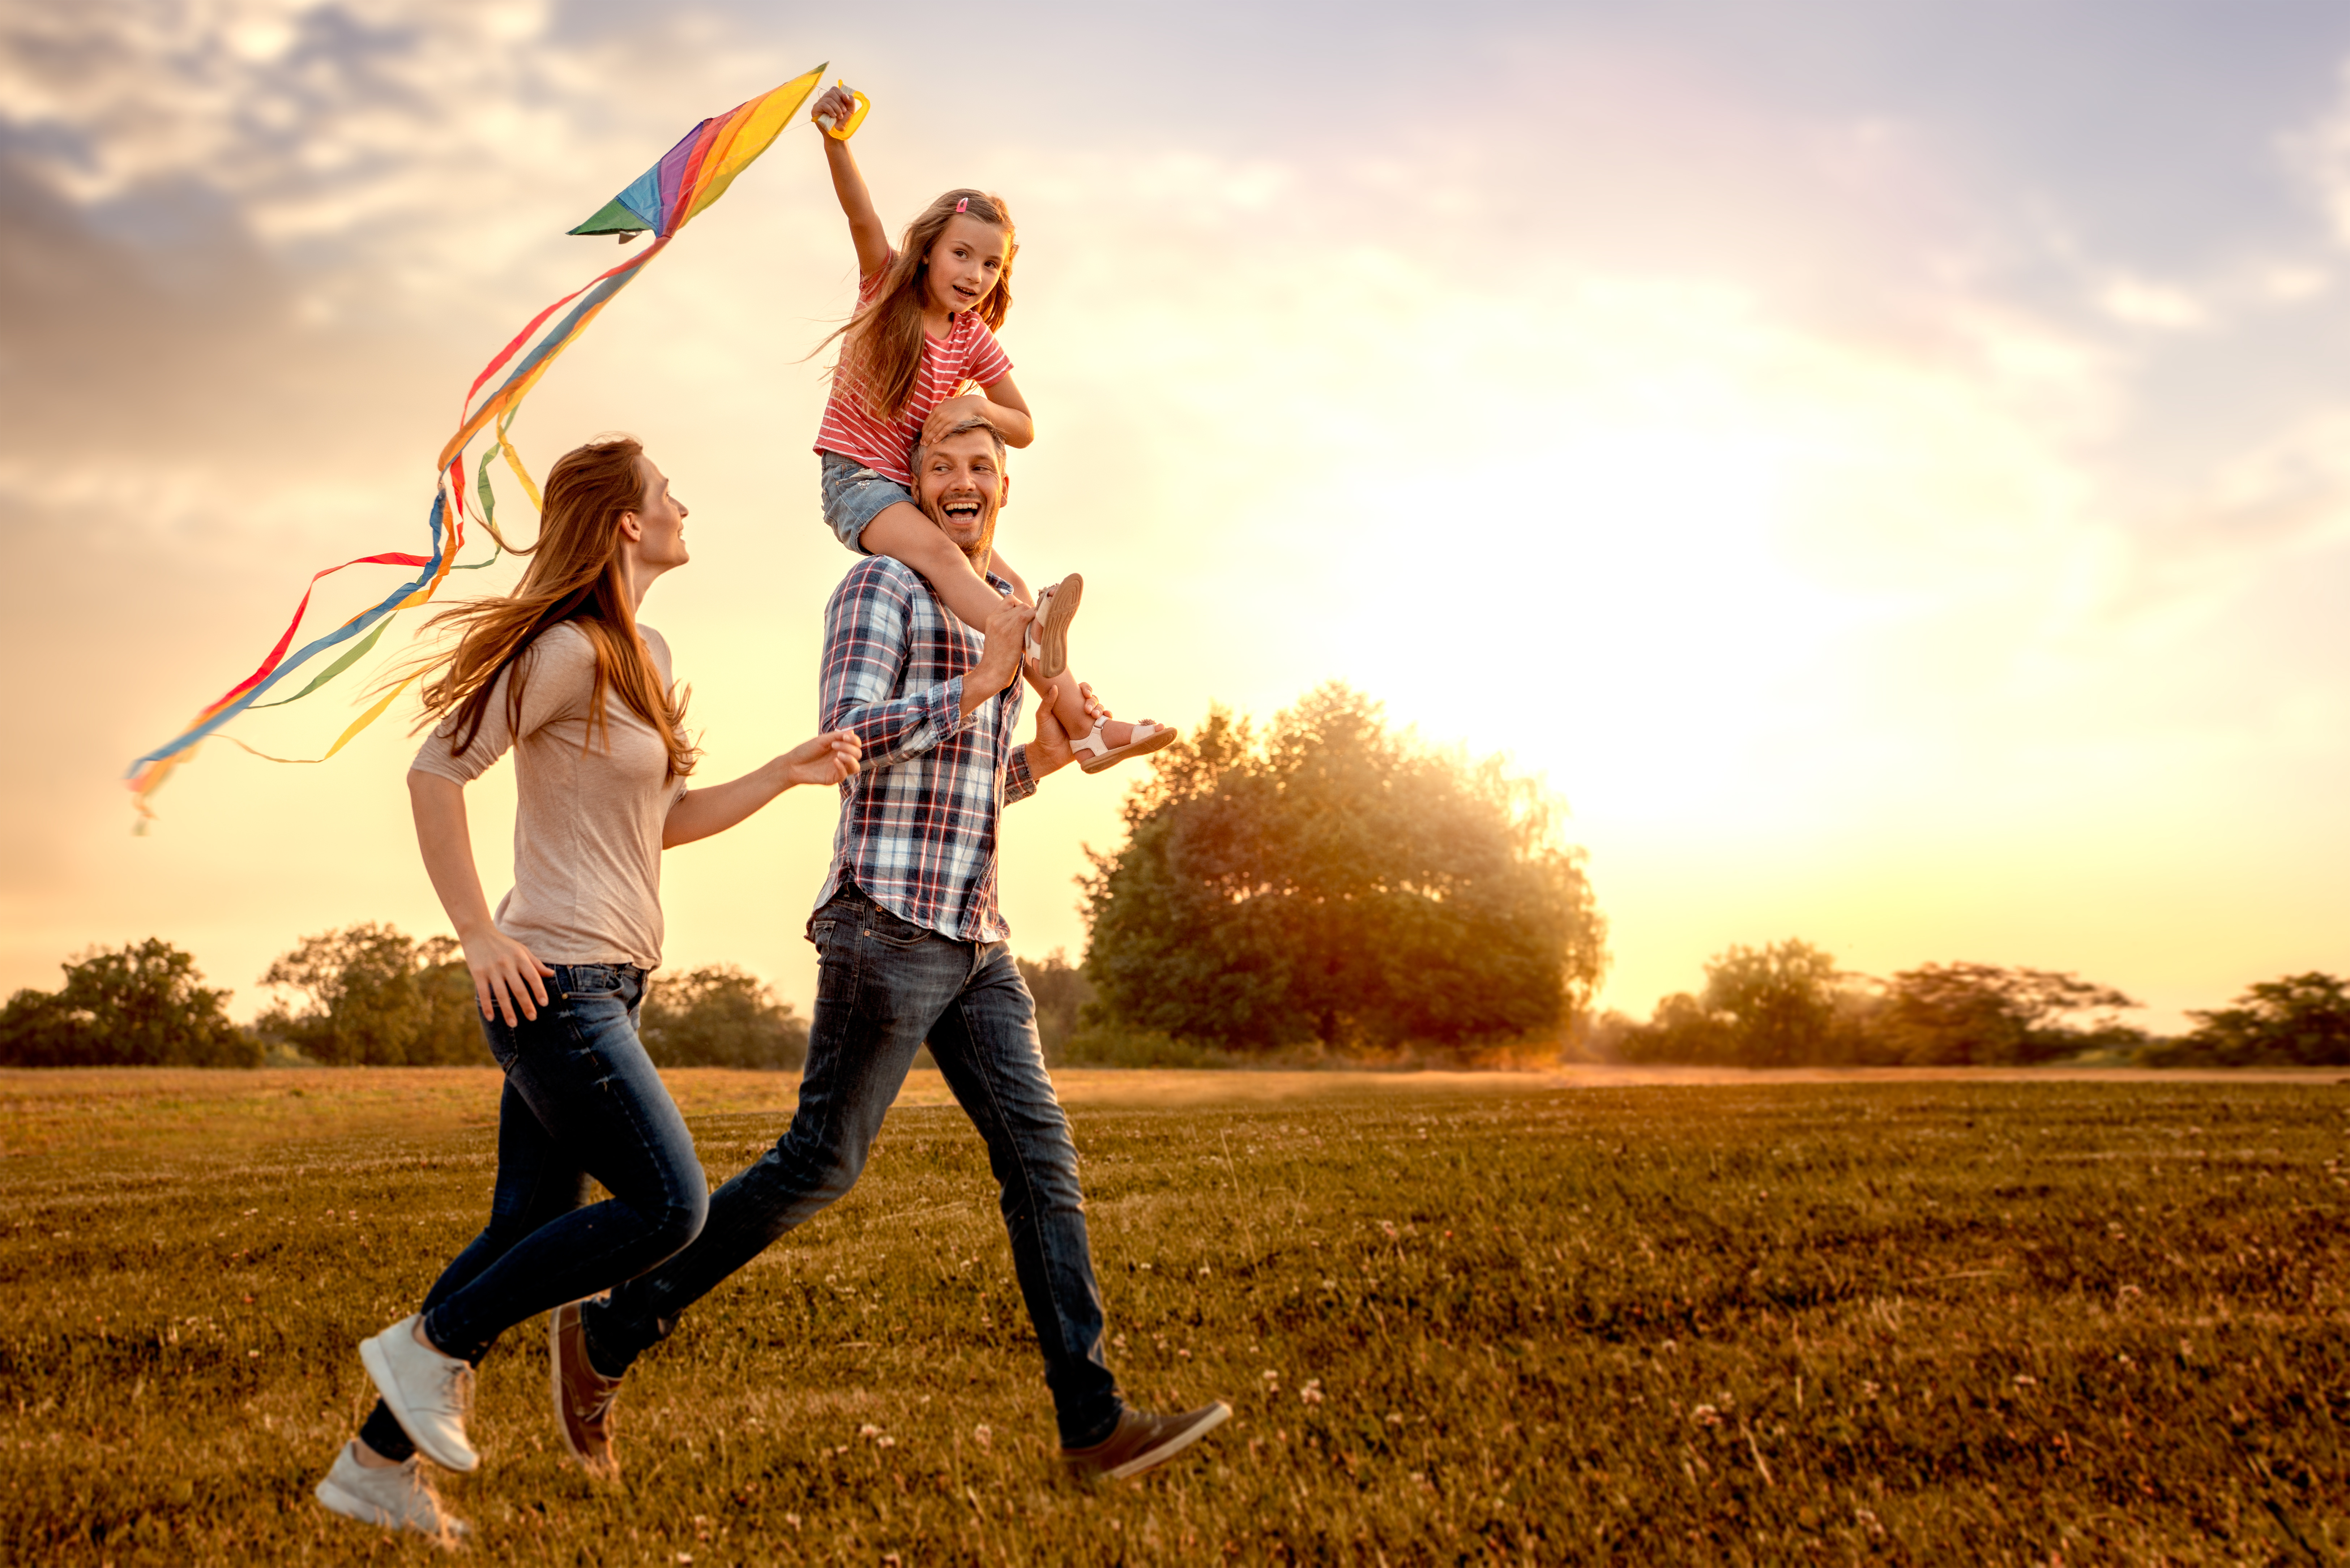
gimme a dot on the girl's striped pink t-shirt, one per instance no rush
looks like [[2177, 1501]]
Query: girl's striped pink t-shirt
[[968, 353]]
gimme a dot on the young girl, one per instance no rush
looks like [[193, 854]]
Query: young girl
[[561, 671], [921, 333]]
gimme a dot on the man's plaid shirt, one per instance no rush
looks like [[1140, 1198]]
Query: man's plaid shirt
[[918, 822]]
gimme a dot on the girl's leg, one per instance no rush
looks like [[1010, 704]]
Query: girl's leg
[[900, 532], [903, 534], [537, 1183], [1069, 701]]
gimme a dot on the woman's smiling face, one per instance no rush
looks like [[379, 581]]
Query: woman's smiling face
[[965, 263]]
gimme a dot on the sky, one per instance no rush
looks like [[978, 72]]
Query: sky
[[1884, 466]]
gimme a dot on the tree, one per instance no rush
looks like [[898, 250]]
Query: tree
[[721, 1017], [1337, 883], [376, 997], [1779, 1000], [1779, 1005], [141, 1006], [1787, 1004], [2300, 1019], [1681, 1029], [1980, 1014], [1061, 992]]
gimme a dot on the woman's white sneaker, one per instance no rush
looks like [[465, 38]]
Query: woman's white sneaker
[[396, 1496], [429, 1393]]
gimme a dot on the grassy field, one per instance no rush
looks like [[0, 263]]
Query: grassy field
[[1461, 1319]]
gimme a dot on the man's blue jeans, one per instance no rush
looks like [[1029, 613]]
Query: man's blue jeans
[[581, 1100], [883, 987]]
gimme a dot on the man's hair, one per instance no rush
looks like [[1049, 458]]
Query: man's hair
[[963, 426]]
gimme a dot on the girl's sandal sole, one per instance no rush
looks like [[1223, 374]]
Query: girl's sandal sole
[[1142, 748], [1052, 638]]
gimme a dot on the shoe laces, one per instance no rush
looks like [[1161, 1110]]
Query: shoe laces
[[459, 1389]]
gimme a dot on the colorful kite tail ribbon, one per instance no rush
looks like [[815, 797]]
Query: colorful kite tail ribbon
[[664, 199]]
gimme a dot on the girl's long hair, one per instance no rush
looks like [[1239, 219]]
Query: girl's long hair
[[575, 575], [881, 345]]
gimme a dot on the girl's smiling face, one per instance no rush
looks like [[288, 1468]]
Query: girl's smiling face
[[965, 261]]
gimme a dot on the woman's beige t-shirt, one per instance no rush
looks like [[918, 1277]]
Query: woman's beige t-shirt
[[588, 815]]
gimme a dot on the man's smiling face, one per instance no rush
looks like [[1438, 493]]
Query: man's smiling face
[[962, 486]]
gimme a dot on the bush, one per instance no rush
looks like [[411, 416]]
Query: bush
[[1109, 1045], [1787, 1004], [2300, 1019], [1062, 992], [1979, 1015], [141, 1006], [374, 997], [721, 1017]]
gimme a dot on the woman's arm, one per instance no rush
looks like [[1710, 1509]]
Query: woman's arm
[[864, 228], [504, 972], [699, 813]]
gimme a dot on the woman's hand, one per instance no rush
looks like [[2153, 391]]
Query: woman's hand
[[826, 759], [834, 104], [505, 972]]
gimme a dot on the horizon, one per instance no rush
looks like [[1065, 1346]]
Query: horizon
[[1882, 473]]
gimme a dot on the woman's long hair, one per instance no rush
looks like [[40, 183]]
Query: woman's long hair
[[881, 345], [575, 575]]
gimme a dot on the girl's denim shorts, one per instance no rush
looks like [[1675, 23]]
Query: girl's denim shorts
[[854, 495]]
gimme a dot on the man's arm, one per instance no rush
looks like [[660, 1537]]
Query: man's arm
[[868, 637], [1049, 752]]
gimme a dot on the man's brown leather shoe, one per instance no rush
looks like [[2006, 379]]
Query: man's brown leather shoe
[[583, 1397], [1144, 1442]]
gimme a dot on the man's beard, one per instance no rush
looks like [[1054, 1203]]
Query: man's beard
[[977, 554]]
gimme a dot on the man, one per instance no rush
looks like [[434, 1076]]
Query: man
[[910, 949]]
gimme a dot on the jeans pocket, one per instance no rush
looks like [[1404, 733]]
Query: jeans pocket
[[885, 926], [588, 982]]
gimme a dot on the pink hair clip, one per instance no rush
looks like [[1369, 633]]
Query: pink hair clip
[[962, 204]]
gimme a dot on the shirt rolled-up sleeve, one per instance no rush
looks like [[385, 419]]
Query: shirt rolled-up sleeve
[[866, 635], [1019, 783]]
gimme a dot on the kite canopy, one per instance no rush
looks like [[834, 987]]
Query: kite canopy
[[697, 171], [663, 200]]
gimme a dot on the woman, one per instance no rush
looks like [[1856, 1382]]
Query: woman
[[561, 671]]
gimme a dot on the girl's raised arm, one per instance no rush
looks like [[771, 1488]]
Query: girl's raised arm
[[865, 227]]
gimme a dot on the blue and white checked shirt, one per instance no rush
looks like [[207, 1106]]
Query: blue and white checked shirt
[[918, 822]]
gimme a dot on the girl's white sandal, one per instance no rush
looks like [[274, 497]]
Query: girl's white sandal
[[1095, 753]]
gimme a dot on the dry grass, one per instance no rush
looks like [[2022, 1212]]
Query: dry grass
[[1515, 1318]]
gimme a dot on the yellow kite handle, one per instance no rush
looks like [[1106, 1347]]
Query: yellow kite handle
[[855, 118]]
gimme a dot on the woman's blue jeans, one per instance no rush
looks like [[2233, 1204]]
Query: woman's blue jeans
[[582, 1100], [883, 987]]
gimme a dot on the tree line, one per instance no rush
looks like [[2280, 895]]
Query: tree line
[[364, 996], [1323, 887], [1787, 1004]]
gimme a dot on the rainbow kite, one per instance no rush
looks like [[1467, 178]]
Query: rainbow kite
[[662, 201]]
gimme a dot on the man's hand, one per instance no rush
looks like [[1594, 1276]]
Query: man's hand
[[1050, 751], [826, 759], [1000, 660], [950, 412]]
